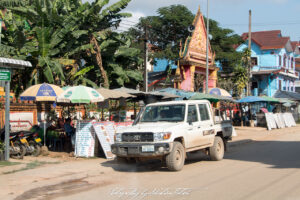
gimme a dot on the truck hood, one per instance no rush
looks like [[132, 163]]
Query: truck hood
[[151, 127]]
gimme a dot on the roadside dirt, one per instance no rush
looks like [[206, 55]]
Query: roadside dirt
[[69, 175]]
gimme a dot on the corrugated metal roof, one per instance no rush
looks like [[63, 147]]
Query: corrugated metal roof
[[287, 95], [8, 62]]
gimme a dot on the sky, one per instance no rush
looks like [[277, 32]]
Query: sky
[[281, 15]]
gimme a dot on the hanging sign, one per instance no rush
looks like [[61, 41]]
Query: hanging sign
[[5, 76]]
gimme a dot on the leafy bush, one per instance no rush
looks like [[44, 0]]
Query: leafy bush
[[1, 147]]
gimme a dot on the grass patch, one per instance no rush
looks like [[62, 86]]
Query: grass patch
[[7, 163], [31, 165], [298, 122]]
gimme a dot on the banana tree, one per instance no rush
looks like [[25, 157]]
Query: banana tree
[[93, 24]]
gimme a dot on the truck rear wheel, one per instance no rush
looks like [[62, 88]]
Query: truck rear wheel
[[175, 160], [216, 152]]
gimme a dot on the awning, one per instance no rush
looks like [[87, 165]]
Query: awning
[[287, 95], [210, 97], [13, 63], [270, 99], [113, 94], [251, 99]]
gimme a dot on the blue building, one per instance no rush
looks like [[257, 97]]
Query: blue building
[[272, 63]]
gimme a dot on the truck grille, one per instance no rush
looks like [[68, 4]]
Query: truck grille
[[137, 137]]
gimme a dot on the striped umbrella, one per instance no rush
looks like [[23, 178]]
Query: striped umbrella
[[41, 92], [80, 94], [219, 91]]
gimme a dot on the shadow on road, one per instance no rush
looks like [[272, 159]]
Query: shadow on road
[[277, 154], [145, 166]]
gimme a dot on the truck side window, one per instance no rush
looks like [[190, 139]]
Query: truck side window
[[204, 115], [192, 114]]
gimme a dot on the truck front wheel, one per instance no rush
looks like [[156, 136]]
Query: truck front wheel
[[216, 152], [175, 160]]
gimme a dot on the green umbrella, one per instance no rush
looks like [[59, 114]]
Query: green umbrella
[[80, 94]]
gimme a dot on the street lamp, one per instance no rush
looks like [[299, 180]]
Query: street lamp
[[207, 40]]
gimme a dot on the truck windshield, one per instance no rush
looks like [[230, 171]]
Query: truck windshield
[[169, 113]]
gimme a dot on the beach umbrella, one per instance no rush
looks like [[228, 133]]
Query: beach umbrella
[[219, 91], [65, 87], [80, 94], [41, 92], [44, 93]]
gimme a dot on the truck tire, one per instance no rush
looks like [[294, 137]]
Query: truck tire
[[175, 160], [216, 152]]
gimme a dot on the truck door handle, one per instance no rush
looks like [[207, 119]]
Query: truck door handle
[[199, 126], [191, 128]]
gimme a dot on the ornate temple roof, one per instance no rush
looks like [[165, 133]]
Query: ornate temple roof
[[194, 50]]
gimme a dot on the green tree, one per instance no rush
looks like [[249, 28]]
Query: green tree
[[170, 26], [123, 61], [61, 37], [241, 74], [165, 30], [223, 42]]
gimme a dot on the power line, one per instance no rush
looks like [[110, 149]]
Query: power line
[[265, 24]]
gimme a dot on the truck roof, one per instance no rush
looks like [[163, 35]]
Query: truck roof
[[178, 102]]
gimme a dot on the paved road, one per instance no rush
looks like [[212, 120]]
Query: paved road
[[268, 168]]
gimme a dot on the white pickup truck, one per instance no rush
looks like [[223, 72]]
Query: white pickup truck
[[168, 130]]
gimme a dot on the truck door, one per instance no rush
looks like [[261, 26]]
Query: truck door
[[206, 124], [193, 133]]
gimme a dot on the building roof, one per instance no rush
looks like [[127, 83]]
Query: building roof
[[288, 95], [268, 39], [194, 48], [295, 45], [275, 71], [297, 63]]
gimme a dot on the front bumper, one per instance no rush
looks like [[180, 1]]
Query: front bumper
[[135, 149]]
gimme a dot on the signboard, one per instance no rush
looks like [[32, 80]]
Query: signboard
[[104, 139], [4, 75], [105, 131], [21, 121], [85, 140]]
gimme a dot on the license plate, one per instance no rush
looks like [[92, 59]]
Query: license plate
[[38, 140], [23, 140], [148, 148]]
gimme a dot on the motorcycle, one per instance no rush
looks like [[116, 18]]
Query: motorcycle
[[32, 142], [16, 149]]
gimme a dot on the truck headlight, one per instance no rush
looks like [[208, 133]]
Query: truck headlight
[[118, 137], [161, 136]]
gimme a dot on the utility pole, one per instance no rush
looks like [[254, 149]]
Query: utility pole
[[249, 60], [145, 60], [207, 41]]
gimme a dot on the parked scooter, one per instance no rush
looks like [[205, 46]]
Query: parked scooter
[[16, 149], [33, 143]]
